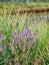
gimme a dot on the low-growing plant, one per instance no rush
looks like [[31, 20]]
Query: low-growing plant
[[23, 40]]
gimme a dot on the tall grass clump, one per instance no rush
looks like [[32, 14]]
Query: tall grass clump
[[23, 40]]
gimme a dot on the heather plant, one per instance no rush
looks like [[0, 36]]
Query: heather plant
[[23, 40]]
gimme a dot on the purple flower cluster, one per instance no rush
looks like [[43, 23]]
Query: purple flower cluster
[[16, 37], [31, 37], [26, 34], [36, 33]]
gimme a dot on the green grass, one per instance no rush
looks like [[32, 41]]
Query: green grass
[[34, 52]]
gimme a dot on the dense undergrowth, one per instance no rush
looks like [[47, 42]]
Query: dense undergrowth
[[23, 41]]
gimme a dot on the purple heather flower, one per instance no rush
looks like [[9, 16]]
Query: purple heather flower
[[16, 37], [21, 35], [26, 32], [36, 33], [31, 37]]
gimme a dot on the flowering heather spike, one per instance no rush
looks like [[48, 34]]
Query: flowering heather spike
[[16, 38], [26, 32], [36, 33], [31, 37], [21, 35]]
